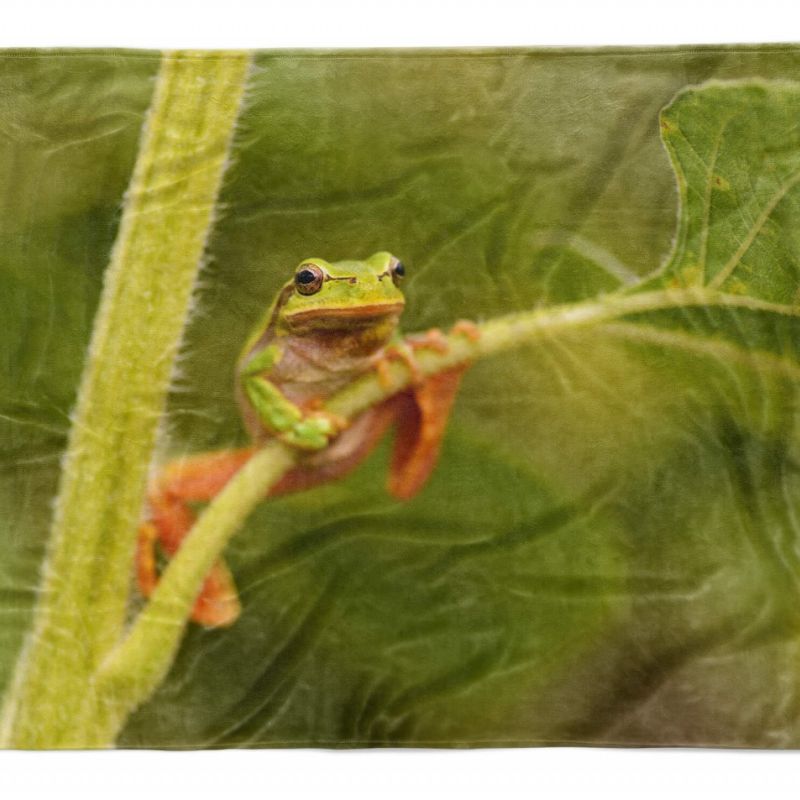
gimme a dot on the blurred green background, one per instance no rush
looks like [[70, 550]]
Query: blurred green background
[[607, 550]]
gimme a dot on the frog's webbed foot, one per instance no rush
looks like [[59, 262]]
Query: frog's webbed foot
[[467, 328], [432, 339], [405, 351]]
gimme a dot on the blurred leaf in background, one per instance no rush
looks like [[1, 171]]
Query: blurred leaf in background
[[607, 550]]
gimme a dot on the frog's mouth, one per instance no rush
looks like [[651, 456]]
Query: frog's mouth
[[348, 316]]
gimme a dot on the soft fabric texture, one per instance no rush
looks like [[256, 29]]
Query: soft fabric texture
[[607, 550]]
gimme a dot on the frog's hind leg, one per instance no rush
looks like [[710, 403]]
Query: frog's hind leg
[[198, 478], [201, 477], [422, 414]]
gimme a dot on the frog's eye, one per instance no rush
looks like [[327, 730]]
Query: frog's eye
[[398, 271], [308, 279]]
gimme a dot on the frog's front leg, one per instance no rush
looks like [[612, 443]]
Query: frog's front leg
[[279, 415]]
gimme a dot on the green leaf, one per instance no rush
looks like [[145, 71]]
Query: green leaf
[[736, 151], [607, 549]]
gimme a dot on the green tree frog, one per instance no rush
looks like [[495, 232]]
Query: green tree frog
[[330, 324]]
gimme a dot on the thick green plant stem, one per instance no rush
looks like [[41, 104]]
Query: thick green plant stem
[[146, 298], [136, 667]]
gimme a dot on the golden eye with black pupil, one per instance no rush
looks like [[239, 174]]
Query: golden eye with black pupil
[[308, 279], [398, 272]]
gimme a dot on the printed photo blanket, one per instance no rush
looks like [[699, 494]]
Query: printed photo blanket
[[403, 398]]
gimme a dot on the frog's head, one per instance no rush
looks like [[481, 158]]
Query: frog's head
[[346, 294]]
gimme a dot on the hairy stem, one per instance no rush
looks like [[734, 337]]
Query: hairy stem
[[146, 298]]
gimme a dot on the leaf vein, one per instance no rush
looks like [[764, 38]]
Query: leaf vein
[[758, 360], [755, 229]]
